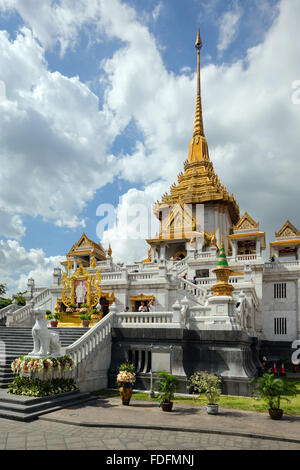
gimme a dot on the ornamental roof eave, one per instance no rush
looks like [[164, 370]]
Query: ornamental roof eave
[[177, 236], [250, 235], [285, 242]]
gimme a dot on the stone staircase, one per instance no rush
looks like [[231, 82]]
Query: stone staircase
[[15, 342]]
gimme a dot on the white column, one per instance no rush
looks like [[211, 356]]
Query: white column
[[162, 251], [258, 246], [234, 248]]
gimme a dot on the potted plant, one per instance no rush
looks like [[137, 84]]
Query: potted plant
[[272, 390], [125, 382], [53, 317], [85, 319], [210, 385], [167, 384], [96, 315]]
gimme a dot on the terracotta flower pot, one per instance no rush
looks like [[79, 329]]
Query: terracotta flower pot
[[125, 394], [275, 414], [167, 406], [85, 323], [53, 323]]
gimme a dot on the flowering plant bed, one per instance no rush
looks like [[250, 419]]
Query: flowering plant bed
[[38, 388], [26, 367]]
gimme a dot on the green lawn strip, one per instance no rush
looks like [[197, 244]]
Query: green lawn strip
[[229, 402]]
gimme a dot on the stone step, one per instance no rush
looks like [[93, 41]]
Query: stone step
[[18, 341], [27, 408]]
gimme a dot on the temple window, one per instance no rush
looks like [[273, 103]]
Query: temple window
[[202, 273], [280, 291], [247, 247], [280, 326]]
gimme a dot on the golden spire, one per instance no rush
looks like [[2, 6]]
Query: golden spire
[[198, 126], [109, 251], [198, 151]]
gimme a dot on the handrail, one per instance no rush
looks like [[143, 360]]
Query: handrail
[[24, 312], [90, 340], [179, 264], [198, 292], [4, 311]]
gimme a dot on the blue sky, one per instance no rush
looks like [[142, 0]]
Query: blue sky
[[99, 106]]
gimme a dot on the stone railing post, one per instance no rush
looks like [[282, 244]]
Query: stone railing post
[[124, 274], [176, 313]]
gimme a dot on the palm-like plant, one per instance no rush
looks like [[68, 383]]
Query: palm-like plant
[[272, 390], [167, 384]]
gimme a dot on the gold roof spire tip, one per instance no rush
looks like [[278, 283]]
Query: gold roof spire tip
[[198, 126], [198, 43]]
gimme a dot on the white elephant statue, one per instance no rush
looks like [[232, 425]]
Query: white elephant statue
[[45, 343]]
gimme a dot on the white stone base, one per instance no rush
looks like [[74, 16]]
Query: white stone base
[[221, 316]]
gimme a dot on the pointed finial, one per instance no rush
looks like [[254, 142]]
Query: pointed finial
[[198, 126], [109, 251], [198, 43]]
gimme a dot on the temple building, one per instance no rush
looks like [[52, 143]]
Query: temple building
[[205, 271], [195, 216]]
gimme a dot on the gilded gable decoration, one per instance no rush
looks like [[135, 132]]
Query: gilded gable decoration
[[287, 231], [246, 223], [85, 246]]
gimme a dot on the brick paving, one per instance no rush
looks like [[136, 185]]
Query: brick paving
[[43, 435], [107, 411], [186, 428]]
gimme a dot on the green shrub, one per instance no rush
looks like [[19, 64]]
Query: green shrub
[[208, 384], [37, 388]]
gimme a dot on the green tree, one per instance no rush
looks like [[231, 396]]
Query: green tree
[[2, 289]]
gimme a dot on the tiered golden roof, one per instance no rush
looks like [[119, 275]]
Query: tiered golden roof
[[85, 246], [199, 183]]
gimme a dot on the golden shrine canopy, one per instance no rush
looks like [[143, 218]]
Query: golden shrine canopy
[[84, 250]]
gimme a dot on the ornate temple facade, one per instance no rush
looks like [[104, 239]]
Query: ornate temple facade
[[199, 219]]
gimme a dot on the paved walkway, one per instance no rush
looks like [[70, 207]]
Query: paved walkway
[[109, 411], [43, 435], [105, 424]]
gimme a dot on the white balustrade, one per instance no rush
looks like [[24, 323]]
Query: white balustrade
[[246, 258], [199, 292], [205, 281], [91, 339], [236, 279], [205, 255], [179, 267], [111, 276], [283, 265], [23, 313], [4, 311], [142, 276], [143, 318]]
